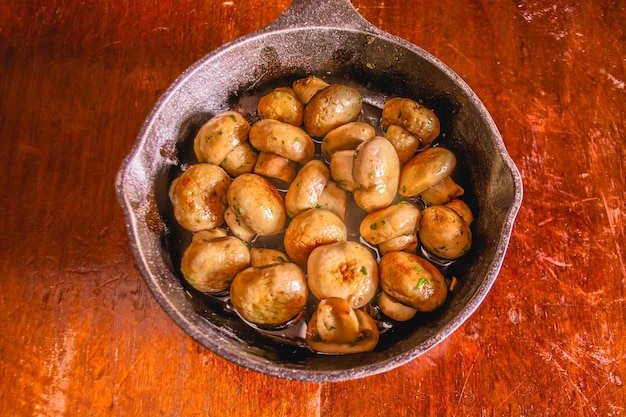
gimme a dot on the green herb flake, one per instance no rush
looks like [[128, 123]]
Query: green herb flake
[[370, 65], [363, 270], [232, 116], [422, 282], [373, 226], [404, 189]]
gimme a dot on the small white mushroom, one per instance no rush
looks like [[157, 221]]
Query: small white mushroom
[[444, 233], [392, 228], [210, 264], [431, 168], [254, 205], [412, 281], [281, 104], [269, 295], [343, 269], [376, 172], [198, 197], [311, 229], [413, 117], [312, 188], [219, 136], [336, 328]]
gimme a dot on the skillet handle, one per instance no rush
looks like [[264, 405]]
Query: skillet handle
[[326, 13]]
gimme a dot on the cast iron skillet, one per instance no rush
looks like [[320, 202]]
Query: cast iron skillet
[[327, 38]]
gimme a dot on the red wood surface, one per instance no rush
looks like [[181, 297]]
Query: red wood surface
[[82, 335]]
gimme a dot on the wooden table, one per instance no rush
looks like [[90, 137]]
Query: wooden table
[[81, 333]]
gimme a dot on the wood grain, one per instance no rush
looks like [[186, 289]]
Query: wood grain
[[82, 335]]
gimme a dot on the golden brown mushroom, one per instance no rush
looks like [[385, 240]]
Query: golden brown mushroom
[[411, 116], [444, 233], [311, 229], [209, 264], [336, 328], [331, 107], [312, 188], [255, 207], [376, 172], [281, 104], [392, 228], [343, 269], [269, 295], [198, 197], [412, 281], [428, 174]]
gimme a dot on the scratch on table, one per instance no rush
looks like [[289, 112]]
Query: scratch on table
[[614, 217], [620, 85], [469, 372], [59, 365]]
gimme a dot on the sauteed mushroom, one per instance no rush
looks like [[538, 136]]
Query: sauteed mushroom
[[241, 160], [347, 136], [431, 168], [282, 139], [462, 209], [413, 117], [444, 233], [255, 207], [211, 261], [282, 105], [343, 269], [394, 309], [198, 197], [219, 136], [392, 228], [331, 107], [412, 281], [269, 295], [267, 256], [376, 171], [311, 229], [341, 165], [306, 88], [405, 143], [336, 328], [312, 188], [281, 145]]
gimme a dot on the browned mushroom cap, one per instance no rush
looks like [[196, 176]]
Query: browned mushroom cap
[[397, 220], [331, 107], [405, 143], [376, 171], [347, 137], [462, 209], [411, 116], [311, 229], [307, 187], [393, 309], [341, 165], [209, 265], [275, 166], [343, 269], [282, 139], [281, 104], [426, 170], [198, 197], [269, 295], [444, 233], [442, 192], [241, 160], [306, 88], [412, 281], [267, 256], [336, 328], [255, 204], [219, 136]]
